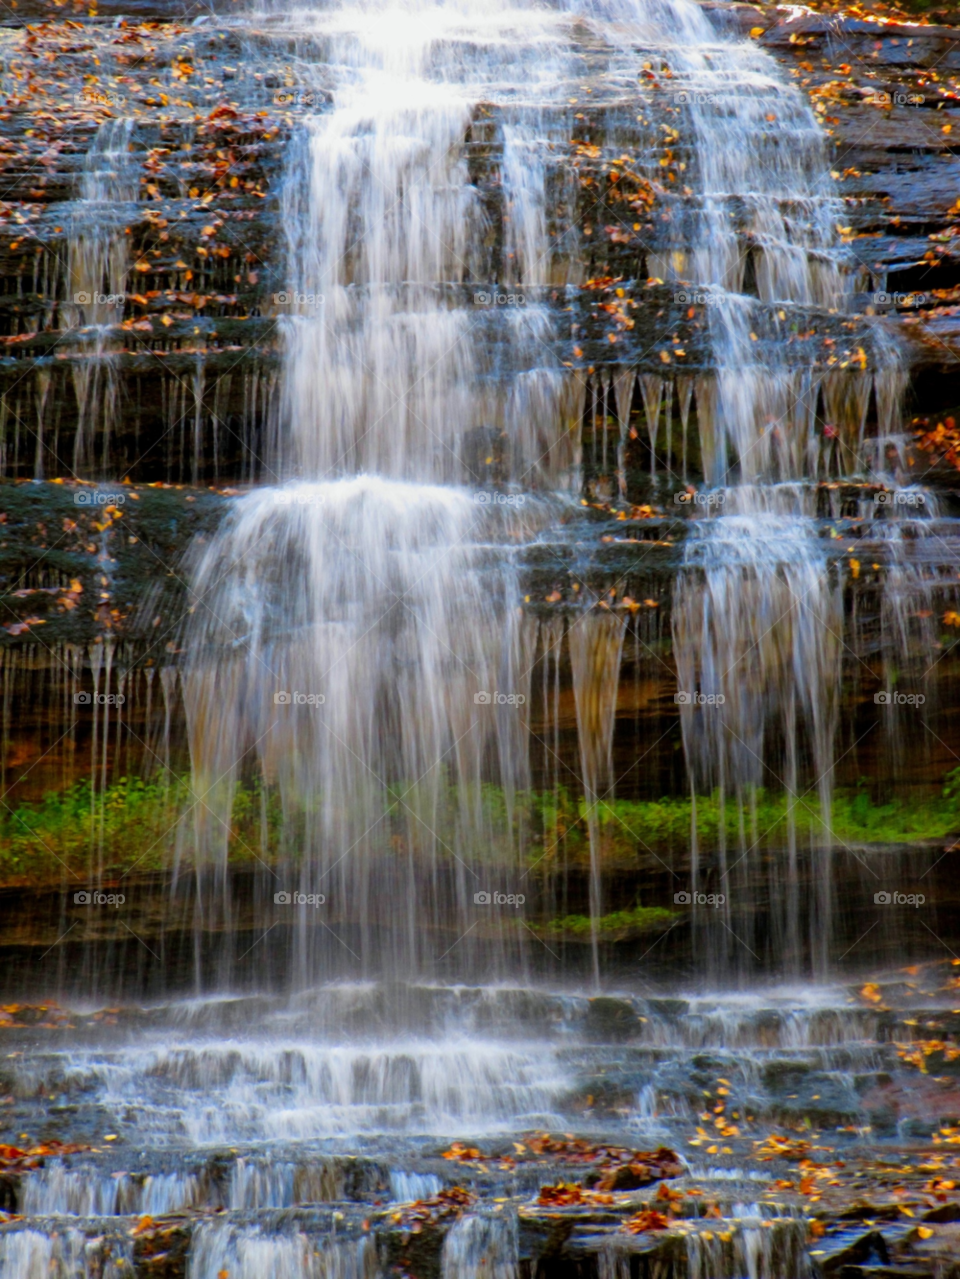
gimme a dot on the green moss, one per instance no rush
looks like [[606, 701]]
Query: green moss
[[619, 925], [133, 822], [143, 822]]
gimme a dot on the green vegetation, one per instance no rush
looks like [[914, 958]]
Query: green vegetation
[[764, 817], [133, 822], [144, 822], [619, 925]]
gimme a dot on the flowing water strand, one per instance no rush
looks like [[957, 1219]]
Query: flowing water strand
[[757, 618], [482, 1248], [757, 626], [98, 250], [380, 669], [408, 338]]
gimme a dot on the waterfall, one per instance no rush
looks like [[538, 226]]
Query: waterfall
[[358, 637], [424, 406], [758, 615]]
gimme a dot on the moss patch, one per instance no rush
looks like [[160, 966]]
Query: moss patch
[[144, 822], [619, 925]]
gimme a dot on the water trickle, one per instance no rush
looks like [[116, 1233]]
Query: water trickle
[[481, 1248], [98, 254], [250, 1252], [87, 1192], [405, 1187], [596, 643]]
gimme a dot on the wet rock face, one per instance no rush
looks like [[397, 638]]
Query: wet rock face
[[612, 1019], [88, 562]]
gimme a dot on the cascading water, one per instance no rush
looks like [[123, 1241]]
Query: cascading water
[[390, 602], [758, 614], [360, 643]]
